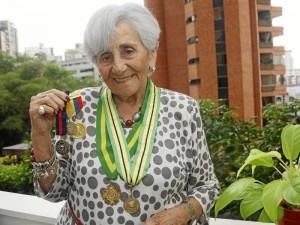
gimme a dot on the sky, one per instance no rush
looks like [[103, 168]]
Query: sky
[[55, 23], [60, 24]]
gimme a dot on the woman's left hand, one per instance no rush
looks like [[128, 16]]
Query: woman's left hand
[[177, 215]]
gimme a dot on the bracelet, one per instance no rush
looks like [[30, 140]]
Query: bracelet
[[37, 173], [42, 169], [45, 165], [191, 210]]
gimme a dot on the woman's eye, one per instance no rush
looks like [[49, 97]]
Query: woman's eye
[[106, 57], [128, 51]]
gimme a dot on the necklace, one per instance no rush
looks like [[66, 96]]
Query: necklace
[[128, 123]]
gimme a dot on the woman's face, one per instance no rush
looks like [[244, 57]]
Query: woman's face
[[125, 66]]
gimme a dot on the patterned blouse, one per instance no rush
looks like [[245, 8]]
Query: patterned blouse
[[180, 166]]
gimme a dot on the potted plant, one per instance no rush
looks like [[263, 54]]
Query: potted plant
[[278, 198]]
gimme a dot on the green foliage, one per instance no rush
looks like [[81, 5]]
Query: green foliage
[[230, 141], [275, 118], [7, 63], [16, 178], [227, 137], [22, 78], [256, 195]]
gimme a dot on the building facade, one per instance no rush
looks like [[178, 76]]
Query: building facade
[[77, 62], [8, 38], [75, 53], [221, 49], [81, 67], [42, 51]]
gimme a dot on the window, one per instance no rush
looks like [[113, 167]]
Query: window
[[264, 15], [221, 59], [221, 47], [268, 80], [87, 70], [219, 25], [220, 35], [279, 80], [192, 40], [222, 82], [218, 13], [265, 37], [191, 19], [194, 60], [217, 3], [195, 82], [222, 70], [266, 58], [223, 94]]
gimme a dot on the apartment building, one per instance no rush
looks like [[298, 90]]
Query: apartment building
[[8, 38], [221, 49], [42, 51], [77, 62]]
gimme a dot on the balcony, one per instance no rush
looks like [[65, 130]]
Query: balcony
[[18, 209], [268, 88], [266, 66], [273, 90], [276, 11], [277, 31], [265, 23], [265, 44]]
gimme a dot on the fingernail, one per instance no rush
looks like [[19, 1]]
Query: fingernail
[[67, 98]]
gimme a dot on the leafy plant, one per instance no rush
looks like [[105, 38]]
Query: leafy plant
[[16, 178], [283, 190]]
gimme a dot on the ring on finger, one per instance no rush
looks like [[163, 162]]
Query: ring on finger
[[41, 110]]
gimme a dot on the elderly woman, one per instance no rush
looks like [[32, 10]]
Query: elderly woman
[[128, 152]]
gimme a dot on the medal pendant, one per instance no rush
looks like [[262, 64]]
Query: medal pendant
[[71, 128], [80, 130], [62, 147], [132, 205], [111, 194]]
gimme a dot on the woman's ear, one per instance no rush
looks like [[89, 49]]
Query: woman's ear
[[153, 56]]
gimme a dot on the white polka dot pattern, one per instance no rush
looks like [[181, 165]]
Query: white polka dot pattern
[[180, 167]]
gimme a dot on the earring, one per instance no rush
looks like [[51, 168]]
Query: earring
[[152, 69]]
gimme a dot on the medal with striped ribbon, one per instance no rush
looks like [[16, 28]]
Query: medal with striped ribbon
[[115, 151]]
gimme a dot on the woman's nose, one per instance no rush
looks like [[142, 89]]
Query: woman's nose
[[119, 66]]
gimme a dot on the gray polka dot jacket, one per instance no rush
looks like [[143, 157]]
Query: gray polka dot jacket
[[180, 166]]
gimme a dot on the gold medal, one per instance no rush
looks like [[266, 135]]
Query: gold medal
[[80, 130], [62, 147], [111, 194], [132, 205], [71, 128]]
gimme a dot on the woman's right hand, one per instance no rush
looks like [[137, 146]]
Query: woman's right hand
[[51, 101]]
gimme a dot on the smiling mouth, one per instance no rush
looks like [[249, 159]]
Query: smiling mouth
[[120, 80]]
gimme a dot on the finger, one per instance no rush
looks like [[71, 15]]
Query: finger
[[53, 98], [57, 102], [48, 110], [58, 93]]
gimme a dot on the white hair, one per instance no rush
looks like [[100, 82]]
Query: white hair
[[102, 25]]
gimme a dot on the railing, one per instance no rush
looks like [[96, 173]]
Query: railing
[[265, 23], [266, 66], [18, 209]]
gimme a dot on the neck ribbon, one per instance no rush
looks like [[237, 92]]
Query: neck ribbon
[[128, 157]]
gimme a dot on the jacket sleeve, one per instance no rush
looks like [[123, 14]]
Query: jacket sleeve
[[202, 183], [61, 185]]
